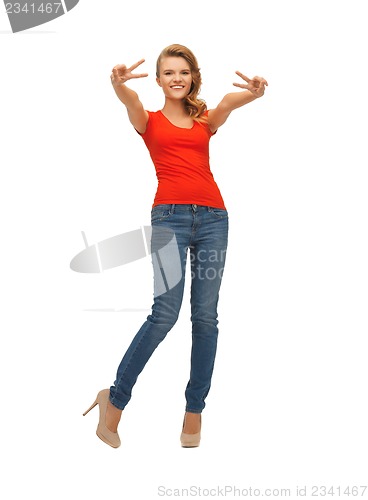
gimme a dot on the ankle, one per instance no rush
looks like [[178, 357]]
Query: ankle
[[113, 416], [192, 423]]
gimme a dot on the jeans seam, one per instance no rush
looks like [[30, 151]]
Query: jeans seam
[[131, 358]]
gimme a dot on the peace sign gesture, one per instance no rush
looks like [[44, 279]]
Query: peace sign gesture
[[255, 85], [121, 74]]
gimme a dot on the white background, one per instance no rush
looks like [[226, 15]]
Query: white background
[[288, 405]]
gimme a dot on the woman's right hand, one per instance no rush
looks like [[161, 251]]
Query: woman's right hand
[[121, 74]]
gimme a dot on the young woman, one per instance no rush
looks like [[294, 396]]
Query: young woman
[[188, 203]]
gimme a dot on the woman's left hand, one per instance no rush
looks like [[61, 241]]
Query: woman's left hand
[[255, 85]]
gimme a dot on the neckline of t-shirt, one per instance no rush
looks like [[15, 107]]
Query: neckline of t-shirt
[[176, 126]]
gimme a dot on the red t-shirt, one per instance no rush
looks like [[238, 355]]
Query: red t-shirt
[[181, 159]]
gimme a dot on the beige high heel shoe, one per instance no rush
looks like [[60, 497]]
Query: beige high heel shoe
[[190, 440], [107, 436]]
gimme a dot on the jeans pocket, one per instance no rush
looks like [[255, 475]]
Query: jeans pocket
[[160, 213], [219, 213]]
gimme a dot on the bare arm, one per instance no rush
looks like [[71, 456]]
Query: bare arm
[[137, 115], [254, 89]]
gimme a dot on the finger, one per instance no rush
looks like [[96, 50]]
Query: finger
[[115, 73], [115, 80], [133, 66], [119, 67], [116, 77], [242, 76], [241, 85], [260, 80], [139, 75]]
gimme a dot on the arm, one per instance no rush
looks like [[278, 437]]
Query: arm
[[254, 89], [137, 115]]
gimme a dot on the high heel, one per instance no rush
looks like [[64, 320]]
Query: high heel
[[107, 436], [190, 440]]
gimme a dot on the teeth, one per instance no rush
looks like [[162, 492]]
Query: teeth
[[177, 87]]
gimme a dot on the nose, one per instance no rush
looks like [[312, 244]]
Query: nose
[[177, 77]]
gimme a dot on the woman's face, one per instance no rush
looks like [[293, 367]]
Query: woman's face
[[175, 77]]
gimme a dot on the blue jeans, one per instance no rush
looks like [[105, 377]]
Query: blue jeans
[[204, 231]]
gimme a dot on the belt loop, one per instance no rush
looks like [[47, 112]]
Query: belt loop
[[172, 209]]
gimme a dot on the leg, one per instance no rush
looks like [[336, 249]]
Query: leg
[[169, 259], [208, 254], [165, 312]]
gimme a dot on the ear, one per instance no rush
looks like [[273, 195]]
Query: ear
[[158, 82]]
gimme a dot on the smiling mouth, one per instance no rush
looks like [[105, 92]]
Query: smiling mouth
[[177, 87]]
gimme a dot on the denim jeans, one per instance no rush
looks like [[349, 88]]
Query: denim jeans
[[203, 233]]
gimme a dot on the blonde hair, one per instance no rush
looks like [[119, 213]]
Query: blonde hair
[[194, 106]]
